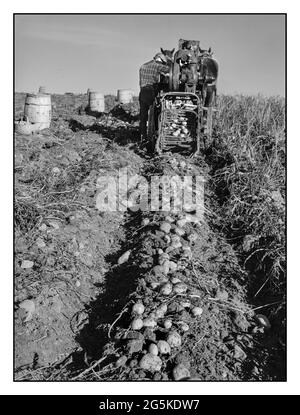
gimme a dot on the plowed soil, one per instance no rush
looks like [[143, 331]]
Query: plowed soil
[[82, 298]]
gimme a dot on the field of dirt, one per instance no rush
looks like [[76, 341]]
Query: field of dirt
[[76, 300]]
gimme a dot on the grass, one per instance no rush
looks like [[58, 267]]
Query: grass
[[248, 161]]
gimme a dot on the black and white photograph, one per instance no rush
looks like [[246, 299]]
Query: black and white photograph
[[150, 198]]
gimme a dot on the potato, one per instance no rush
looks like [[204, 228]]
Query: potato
[[138, 308], [181, 222], [149, 335], [174, 339], [165, 227], [160, 311], [150, 362], [175, 280], [132, 363], [180, 372], [163, 279], [149, 322], [180, 288], [145, 222], [222, 295], [154, 285], [172, 266], [121, 361], [184, 243], [166, 289], [167, 239], [124, 258], [183, 326], [175, 238], [169, 219], [263, 321], [179, 231], [169, 249], [187, 248], [187, 252], [182, 263], [157, 270], [197, 311], [163, 257], [163, 347], [162, 308], [161, 260], [166, 267], [176, 245], [167, 324], [134, 346], [194, 218], [137, 324], [153, 349], [185, 304]]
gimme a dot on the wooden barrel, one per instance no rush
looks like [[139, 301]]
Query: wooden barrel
[[125, 96], [38, 109], [96, 101]]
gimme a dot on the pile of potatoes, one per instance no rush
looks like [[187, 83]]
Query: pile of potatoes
[[178, 127], [161, 317]]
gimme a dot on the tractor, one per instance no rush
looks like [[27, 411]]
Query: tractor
[[180, 119]]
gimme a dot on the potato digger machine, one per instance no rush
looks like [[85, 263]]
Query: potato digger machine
[[180, 119]]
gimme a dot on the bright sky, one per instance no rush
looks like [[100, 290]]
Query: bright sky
[[104, 52]]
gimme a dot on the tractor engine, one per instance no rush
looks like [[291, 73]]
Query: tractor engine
[[194, 70]]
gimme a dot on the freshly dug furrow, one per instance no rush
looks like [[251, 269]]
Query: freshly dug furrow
[[184, 315]]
